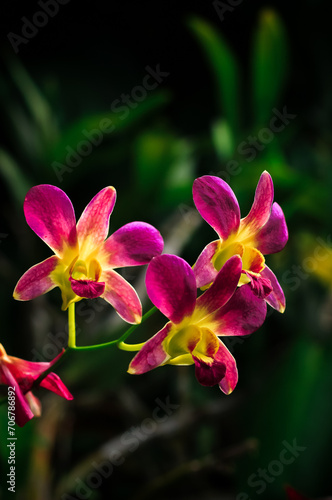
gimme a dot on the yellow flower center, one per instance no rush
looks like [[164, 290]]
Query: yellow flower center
[[252, 259], [188, 341], [78, 269]]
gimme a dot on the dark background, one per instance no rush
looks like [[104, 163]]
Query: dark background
[[64, 80]]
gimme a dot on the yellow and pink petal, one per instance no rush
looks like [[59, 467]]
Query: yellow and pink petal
[[122, 296], [228, 383], [243, 314], [37, 280], [276, 298], [274, 234], [204, 269], [50, 214], [93, 225], [217, 204], [152, 354], [221, 289], [134, 244], [261, 208]]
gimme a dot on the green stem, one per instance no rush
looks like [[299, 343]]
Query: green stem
[[72, 342], [130, 347], [117, 341], [71, 326]]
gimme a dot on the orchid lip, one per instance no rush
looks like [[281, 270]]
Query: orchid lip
[[86, 288]]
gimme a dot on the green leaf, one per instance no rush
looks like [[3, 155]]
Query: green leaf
[[226, 71], [93, 130], [153, 157], [269, 65], [223, 140], [178, 183], [35, 102], [293, 409], [16, 181]]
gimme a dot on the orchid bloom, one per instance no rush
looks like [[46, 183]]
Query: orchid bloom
[[263, 231], [83, 264], [191, 335], [20, 375]]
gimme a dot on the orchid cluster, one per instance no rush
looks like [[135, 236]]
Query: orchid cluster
[[225, 293]]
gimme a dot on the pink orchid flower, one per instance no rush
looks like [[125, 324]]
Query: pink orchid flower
[[263, 231], [83, 264], [20, 376], [192, 334]]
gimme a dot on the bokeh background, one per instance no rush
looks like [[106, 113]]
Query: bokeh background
[[223, 71]]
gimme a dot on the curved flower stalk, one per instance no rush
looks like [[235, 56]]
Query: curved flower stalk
[[84, 262], [21, 375], [192, 334], [263, 231]]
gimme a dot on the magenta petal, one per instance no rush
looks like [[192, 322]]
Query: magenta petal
[[243, 314], [152, 354], [260, 286], [122, 296], [229, 381], [261, 208], [53, 383], [87, 288], [276, 298], [22, 374], [217, 204], [23, 412], [274, 234], [92, 227], [209, 375], [133, 245], [50, 214], [171, 286], [223, 286], [204, 270], [36, 280], [26, 372]]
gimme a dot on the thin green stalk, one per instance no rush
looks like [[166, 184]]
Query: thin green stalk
[[117, 341], [71, 326], [130, 347]]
